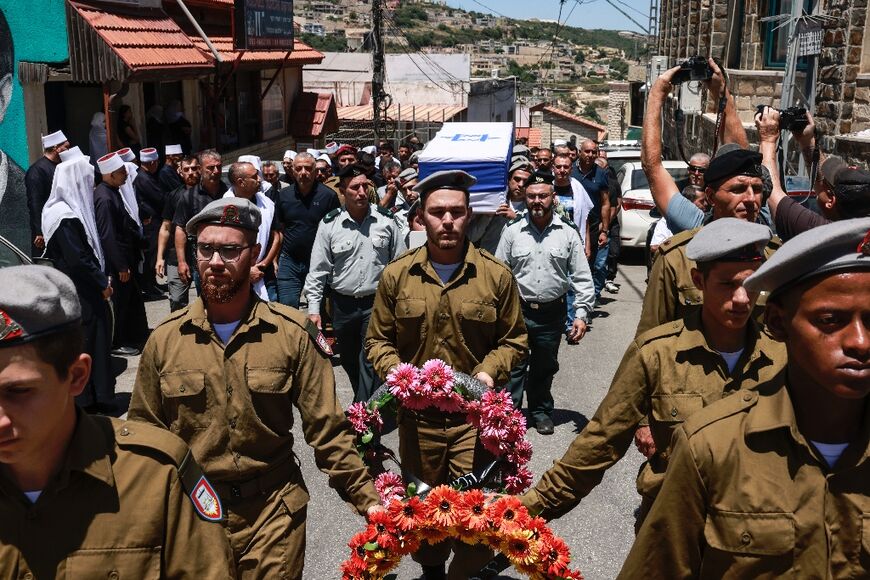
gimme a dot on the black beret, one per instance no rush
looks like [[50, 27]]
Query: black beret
[[351, 171], [734, 162], [851, 176], [540, 177]]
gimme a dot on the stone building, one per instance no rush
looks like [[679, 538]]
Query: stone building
[[557, 124], [753, 53]]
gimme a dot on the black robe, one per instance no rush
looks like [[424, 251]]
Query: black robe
[[151, 197], [169, 178], [38, 183]]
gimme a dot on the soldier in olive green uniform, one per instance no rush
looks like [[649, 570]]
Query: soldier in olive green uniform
[[734, 189], [225, 373], [775, 482], [83, 496], [452, 301], [672, 371]]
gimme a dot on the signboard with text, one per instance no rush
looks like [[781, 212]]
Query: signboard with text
[[263, 25]]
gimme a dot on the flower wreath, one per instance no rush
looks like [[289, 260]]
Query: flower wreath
[[415, 513]]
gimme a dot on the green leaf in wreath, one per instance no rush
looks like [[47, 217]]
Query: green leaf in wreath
[[371, 546], [367, 437], [412, 489]]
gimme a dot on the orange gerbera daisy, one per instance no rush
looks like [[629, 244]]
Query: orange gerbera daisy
[[539, 528], [385, 530], [443, 506], [432, 535], [472, 511], [520, 548], [555, 556], [507, 514], [408, 515], [407, 543], [358, 542]]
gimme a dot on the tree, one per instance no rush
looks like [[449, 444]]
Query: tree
[[591, 113], [579, 58]]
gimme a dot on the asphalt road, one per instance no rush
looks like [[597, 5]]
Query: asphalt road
[[600, 531]]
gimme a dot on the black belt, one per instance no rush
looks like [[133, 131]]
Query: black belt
[[261, 485], [560, 301], [347, 297]]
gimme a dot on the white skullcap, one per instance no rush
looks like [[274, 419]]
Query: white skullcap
[[53, 139], [109, 163], [371, 149], [331, 147], [326, 158], [174, 150], [313, 152], [148, 154], [289, 154], [71, 153], [126, 154], [559, 143], [252, 159]]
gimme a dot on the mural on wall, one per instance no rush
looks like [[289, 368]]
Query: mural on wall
[[22, 38]]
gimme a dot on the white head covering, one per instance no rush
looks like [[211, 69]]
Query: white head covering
[[560, 143], [109, 163], [289, 154], [174, 150], [72, 197], [326, 158], [53, 139], [313, 152], [147, 155], [71, 153], [97, 137], [253, 160], [126, 154], [332, 147], [128, 194], [371, 149]]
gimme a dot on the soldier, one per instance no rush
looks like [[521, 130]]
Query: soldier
[[452, 301], [515, 204], [72, 485], [37, 182], [773, 482], [734, 189], [351, 249], [224, 374], [673, 370], [546, 255]]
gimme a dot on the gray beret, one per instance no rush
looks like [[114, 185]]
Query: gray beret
[[453, 179], [834, 247], [237, 212], [520, 162], [35, 301], [408, 174], [729, 240], [520, 150]]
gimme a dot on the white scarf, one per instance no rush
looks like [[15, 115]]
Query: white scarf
[[128, 194]]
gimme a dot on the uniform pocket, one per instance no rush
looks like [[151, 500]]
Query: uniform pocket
[[267, 381], [185, 400], [675, 407], [270, 396], [477, 323], [690, 296], [478, 312], [114, 564], [758, 534], [411, 317]]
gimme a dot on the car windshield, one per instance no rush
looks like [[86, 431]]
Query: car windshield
[[679, 174], [617, 162]]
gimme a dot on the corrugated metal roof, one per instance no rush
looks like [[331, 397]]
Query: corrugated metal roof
[[420, 113], [314, 115], [302, 53]]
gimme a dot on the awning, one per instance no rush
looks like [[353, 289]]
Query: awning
[[406, 113], [314, 115], [302, 53], [129, 44]]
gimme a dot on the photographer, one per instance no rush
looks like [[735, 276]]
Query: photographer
[[842, 192]]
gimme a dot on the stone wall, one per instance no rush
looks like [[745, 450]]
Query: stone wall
[[554, 127], [618, 110]]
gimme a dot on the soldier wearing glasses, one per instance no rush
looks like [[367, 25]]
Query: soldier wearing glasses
[[224, 375]]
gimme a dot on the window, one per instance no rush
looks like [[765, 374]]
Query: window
[[776, 34]]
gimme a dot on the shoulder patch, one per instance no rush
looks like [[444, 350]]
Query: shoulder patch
[[332, 215], [569, 222], [385, 212], [678, 240], [204, 498], [662, 331], [318, 338], [732, 404]]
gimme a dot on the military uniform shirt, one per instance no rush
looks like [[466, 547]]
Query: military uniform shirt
[[747, 496], [546, 264], [350, 256], [666, 375], [118, 508], [473, 322], [233, 404]]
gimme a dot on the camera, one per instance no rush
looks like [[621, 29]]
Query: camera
[[695, 68], [791, 119]]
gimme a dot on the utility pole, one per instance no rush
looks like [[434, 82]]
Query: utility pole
[[379, 97]]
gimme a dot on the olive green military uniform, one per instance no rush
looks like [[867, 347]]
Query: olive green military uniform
[[474, 324], [233, 404], [666, 375], [670, 292], [118, 508], [747, 496]]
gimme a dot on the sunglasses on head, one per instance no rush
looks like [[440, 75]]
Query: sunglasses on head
[[697, 169]]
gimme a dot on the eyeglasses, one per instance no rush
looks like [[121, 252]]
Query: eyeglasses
[[697, 169], [322, 169], [205, 252]]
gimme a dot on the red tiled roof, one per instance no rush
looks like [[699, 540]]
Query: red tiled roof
[[433, 113], [146, 39], [533, 136], [571, 117], [314, 115], [302, 53]]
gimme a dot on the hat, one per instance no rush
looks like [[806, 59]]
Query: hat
[[520, 162], [408, 174], [331, 147], [344, 150], [289, 154], [454, 179], [35, 301], [71, 153], [540, 177], [53, 139], [831, 168], [520, 150], [853, 177], [729, 240], [227, 211], [371, 149], [252, 159], [313, 152], [735, 161], [350, 171], [174, 150], [834, 247], [414, 158], [560, 143], [148, 155], [126, 154], [325, 157], [109, 163]]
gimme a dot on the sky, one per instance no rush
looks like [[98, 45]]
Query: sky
[[583, 13]]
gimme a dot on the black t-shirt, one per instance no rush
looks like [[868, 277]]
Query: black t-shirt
[[193, 201], [300, 215]]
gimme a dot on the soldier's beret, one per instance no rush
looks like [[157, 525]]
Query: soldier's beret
[[540, 177], [834, 247], [237, 212], [733, 162], [729, 240], [345, 150], [520, 150], [414, 158], [350, 171], [35, 301], [408, 174], [520, 162], [452, 179], [851, 176]]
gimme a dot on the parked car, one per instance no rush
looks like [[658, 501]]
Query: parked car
[[10, 255], [637, 201], [621, 152]]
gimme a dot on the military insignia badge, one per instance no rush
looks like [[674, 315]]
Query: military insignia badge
[[864, 246], [206, 501], [323, 343], [231, 215], [9, 329]]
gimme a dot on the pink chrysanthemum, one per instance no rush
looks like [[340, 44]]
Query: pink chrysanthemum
[[518, 482], [521, 453], [363, 419], [390, 487], [437, 374], [403, 381]]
